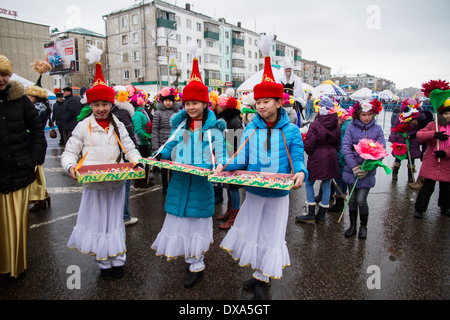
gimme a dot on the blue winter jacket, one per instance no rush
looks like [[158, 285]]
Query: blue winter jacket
[[356, 130], [255, 156], [189, 195]]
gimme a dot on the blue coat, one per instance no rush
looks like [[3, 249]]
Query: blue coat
[[356, 130], [255, 156], [188, 195]]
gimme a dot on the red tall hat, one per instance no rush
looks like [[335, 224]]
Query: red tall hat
[[268, 88], [196, 90], [100, 91]]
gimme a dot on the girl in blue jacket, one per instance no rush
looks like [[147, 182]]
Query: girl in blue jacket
[[197, 139], [257, 237]]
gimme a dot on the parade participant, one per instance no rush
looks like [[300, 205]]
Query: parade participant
[[22, 148], [57, 116], [100, 138], [166, 108], [322, 144], [227, 110], [344, 120], [272, 144], [39, 195], [362, 126], [71, 109], [436, 160], [293, 86], [248, 107], [197, 139], [409, 114]]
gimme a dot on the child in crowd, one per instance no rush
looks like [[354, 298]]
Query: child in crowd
[[197, 139], [362, 126], [269, 144], [167, 107], [322, 144], [100, 229]]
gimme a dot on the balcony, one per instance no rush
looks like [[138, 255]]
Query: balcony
[[211, 35], [237, 42], [166, 23], [280, 53]]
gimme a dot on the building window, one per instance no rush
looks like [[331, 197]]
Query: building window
[[227, 35], [178, 38], [134, 19], [188, 24], [124, 22], [136, 56], [137, 73], [124, 40], [199, 26], [126, 75], [88, 42], [199, 43], [135, 37]]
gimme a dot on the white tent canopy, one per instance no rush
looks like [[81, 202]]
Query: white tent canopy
[[27, 83], [361, 94], [388, 95], [328, 88], [251, 82]]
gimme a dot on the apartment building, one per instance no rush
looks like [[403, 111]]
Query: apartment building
[[147, 47], [314, 73], [363, 80]]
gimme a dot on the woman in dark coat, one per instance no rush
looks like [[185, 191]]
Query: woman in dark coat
[[226, 110], [22, 147], [322, 145]]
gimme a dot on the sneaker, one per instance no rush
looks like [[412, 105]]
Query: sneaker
[[132, 220]]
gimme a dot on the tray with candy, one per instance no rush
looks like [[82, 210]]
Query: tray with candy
[[254, 179], [109, 172], [170, 165]]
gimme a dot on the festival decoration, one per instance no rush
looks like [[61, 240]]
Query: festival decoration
[[254, 179], [399, 150], [170, 165]]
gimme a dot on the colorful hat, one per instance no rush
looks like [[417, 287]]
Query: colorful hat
[[168, 93], [5, 65], [100, 91], [268, 88], [375, 105], [438, 91], [36, 90], [139, 99], [195, 90]]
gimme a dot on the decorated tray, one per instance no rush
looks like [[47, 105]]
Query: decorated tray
[[254, 179], [166, 164], [109, 172]]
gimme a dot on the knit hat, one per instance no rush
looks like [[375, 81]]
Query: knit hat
[[195, 90], [99, 91], [5, 65], [36, 90], [268, 88], [438, 91]]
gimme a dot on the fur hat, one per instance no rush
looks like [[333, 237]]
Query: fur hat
[[5, 66], [268, 88]]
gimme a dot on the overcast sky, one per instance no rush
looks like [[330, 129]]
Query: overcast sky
[[406, 41]]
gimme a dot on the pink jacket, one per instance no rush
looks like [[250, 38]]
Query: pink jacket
[[431, 167]]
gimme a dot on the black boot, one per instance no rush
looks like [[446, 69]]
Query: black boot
[[192, 278], [310, 217], [338, 206], [353, 217], [395, 169], [320, 217], [258, 288], [363, 216]]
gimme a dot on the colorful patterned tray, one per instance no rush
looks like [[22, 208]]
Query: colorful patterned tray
[[109, 172], [254, 179], [166, 164]]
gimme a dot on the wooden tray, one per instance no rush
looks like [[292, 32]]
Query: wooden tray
[[83, 175], [166, 164], [254, 179]]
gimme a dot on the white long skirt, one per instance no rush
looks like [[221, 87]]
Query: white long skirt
[[100, 230], [257, 238], [188, 237]]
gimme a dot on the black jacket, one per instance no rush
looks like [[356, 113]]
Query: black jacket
[[71, 107], [22, 140]]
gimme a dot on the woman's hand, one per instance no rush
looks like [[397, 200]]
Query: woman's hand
[[298, 180], [219, 168], [72, 172]]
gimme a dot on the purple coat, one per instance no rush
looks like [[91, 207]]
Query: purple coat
[[356, 131], [414, 149], [322, 144]]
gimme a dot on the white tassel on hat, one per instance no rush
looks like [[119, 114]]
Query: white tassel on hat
[[94, 54], [264, 44], [192, 47]]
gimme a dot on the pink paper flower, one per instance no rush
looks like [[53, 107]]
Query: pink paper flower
[[370, 150], [399, 149]]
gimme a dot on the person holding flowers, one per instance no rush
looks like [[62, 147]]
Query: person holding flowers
[[404, 130], [363, 126], [436, 160]]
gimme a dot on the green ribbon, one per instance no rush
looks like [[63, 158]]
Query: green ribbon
[[369, 165]]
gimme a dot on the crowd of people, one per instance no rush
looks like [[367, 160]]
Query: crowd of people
[[214, 131]]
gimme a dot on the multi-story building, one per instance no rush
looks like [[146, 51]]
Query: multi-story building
[[363, 80], [22, 42], [147, 47], [314, 73]]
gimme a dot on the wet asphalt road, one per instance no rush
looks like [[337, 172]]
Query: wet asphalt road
[[412, 256]]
